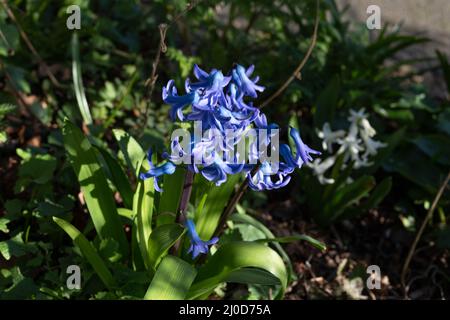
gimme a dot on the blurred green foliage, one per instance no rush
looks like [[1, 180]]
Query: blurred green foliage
[[116, 47]]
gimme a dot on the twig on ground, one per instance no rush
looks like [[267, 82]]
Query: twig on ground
[[420, 232], [296, 74]]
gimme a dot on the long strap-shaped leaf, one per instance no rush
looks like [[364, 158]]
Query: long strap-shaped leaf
[[88, 251], [245, 218], [143, 211], [216, 200], [119, 178], [161, 240], [131, 149], [97, 194], [235, 256], [170, 197], [172, 280], [78, 81]]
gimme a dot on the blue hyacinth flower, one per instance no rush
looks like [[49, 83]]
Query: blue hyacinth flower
[[178, 103], [303, 151], [221, 104], [197, 245], [262, 179], [156, 172], [244, 83], [212, 82]]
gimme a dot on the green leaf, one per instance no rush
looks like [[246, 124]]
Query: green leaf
[[346, 196], [3, 136], [404, 116], [126, 213], [253, 276], [387, 45], [119, 178], [143, 211], [97, 194], [172, 280], [78, 81], [327, 102], [6, 108], [297, 237], [216, 200], [88, 251], [443, 121], [4, 224], [436, 146], [131, 149], [15, 247], [18, 77], [247, 219], [235, 256], [108, 249], [39, 168], [161, 240], [170, 197], [445, 68], [384, 153], [414, 165], [378, 194], [10, 39]]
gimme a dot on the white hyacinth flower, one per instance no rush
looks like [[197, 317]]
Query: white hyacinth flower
[[320, 166], [357, 144], [366, 128], [329, 137], [357, 116]]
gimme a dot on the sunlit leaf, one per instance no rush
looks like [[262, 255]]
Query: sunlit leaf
[[88, 251], [172, 280], [97, 194]]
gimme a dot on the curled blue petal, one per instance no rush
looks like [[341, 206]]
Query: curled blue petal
[[156, 172], [197, 245], [214, 173], [214, 82], [262, 179], [303, 151], [199, 73], [246, 85], [286, 153], [178, 103]]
